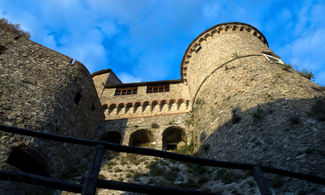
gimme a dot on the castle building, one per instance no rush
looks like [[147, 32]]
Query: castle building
[[157, 114], [230, 82]]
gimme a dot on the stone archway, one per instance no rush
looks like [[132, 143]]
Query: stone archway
[[141, 138], [173, 138], [27, 160], [112, 136]]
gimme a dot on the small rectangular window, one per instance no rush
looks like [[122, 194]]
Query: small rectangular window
[[126, 91], [149, 89], [158, 88]]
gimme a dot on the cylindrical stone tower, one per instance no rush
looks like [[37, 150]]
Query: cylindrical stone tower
[[247, 104], [216, 46]]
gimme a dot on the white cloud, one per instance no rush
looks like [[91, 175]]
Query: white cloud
[[128, 78], [211, 11]]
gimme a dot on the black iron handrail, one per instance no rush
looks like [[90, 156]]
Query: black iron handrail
[[92, 181]]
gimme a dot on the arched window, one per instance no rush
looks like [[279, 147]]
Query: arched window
[[173, 137], [141, 138]]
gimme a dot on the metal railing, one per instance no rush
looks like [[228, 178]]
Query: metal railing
[[91, 181]]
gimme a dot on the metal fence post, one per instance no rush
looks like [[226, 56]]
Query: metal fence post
[[89, 187], [261, 181]]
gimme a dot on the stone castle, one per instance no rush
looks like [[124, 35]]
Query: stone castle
[[230, 80], [156, 114]]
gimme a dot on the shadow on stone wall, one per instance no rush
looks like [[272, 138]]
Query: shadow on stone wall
[[286, 134]]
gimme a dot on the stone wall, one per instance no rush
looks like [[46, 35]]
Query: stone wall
[[155, 126], [41, 90], [145, 104], [102, 78]]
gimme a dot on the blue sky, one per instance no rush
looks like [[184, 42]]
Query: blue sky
[[145, 40]]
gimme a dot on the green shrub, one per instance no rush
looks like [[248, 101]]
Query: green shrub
[[235, 55], [196, 169], [190, 184], [258, 114], [220, 174], [230, 176], [206, 147], [187, 149], [318, 110], [276, 182], [117, 169], [155, 125], [13, 28], [286, 67], [155, 169], [199, 101], [307, 74], [295, 120], [235, 118]]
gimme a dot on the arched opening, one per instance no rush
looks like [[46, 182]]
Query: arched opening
[[136, 106], [112, 136], [171, 103], [128, 107], [173, 138], [141, 138], [179, 103], [145, 106], [119, 108], [111, 108], [162, 104], [26, 160], [153, 105]]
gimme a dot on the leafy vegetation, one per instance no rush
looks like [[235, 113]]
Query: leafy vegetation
[[187, 149], [235, 55], [235, 118], [13, 28], [199, 101], [155, 125], [307, 74], [318, 110], [295, 120], [258, 114]]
